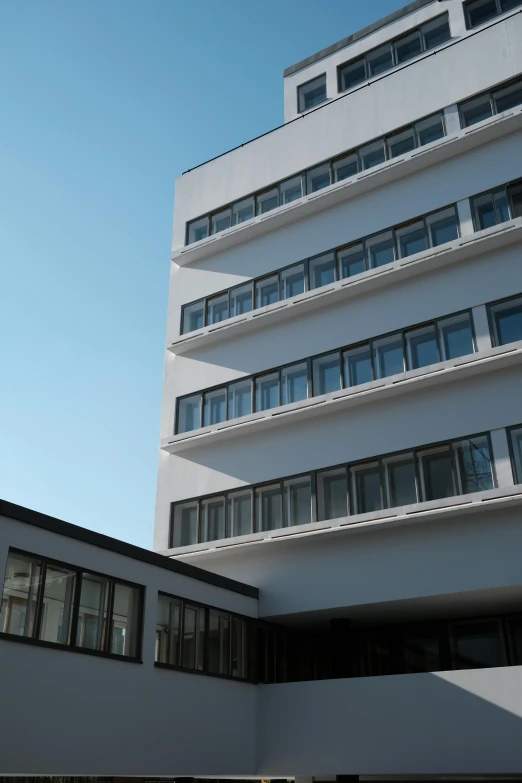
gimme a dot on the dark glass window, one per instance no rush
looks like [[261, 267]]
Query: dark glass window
[[193, 317], [476, 110], [474, 465], [240, 399], [332, 494], [189, 413], [367, 488], [480, 11], [168, 630], [437, 470], [420, 652], [240, 513], [215, 407], [516, 442], [379, 60], [408, 47], [388, 356], [352, 74], [477, 645], [326, 374], [422, 347], [312, 93], [380, 249], [241, 300], [507, 321], [400, 480], [430, 129], [193, 640], [185, 524], [490, 209], [515, 195], [269, 508], [292, 281], [298, 499], [508, 97], [218, 641], [358, 366], [267, 391], [213, 515], [322, 270], [456, 336], [351, 260], [267, 291], [411, 239], [294, 383]]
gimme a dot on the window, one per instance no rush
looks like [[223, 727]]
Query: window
[[366, 488], [422, 347], [291, 190], [326, 374], [516, 445], [193, 637], [63, 605], [489, 103], [197, 230], [455, 336], [240, 513], [311, 93], [372, 154], [401, 143], [294, 383], [221, 221], [352, 74], [506, 320], [332, 494], [267, 201], [269, 509], [267, 291], [430, 129], [345, 167], [357, 366], [213, 519], [322, 270], [239, 648], [318, 178], [218, 642], [217, 309], [379, 60], [240, 399], [267, 391], [490, 209], [411, 239], [380, 250], [388, 355], [298, 501], [480, 11], [243, 210], [437, 473], [473, 462], [189, 413], [351, 260], [215, 407], [185, 524], [476, 110], [408, 47], [193, 317], [400, 480], [168, 630], [442, 226], [477, 644], [241, 300], [508, 97], [292, 281], [436, 32]]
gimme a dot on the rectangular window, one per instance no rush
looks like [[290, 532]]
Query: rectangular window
[[298, 501], [242, 211], [294, 383], [213, 519], [407, 47], [92, 629], [490, 209], [267, 391], [221, 221], [436, 467], [291, 190], [239, 648], [516, 444], [388, 355], [473, 461], [197, 230], [357, 366], [58, 584], [269, 508], [351, 260], [215, 407], [218, 642], [380, 249], [185, 524], [239, 505], [326, 374], [352, 74], [477, 644], [476, 110], [19, 601], [193, 316], [240, 399], [401, 143], [455, 336], [515, 197], [442, 226], [372, 154], [430, 129], [332, 494], [189, 413], [480, 11], [422, 347], [508, 97], [292, 281], [217, 309], [124, 630], [318, 178], [267, 291], [366, 487], [267, 201], [312, 93], [322, 270], [411, 239], [168, 630], [345, 167], [436, 32], [379, 60], [193, 641], [401, 485], [241, 300], [506, 318]]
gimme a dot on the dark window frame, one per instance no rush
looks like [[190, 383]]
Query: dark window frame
[[499, 12], [505, 186], [491, 323], [305, 84], [490, 93]]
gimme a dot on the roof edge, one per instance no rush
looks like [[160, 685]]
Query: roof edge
[[62, 528], [371, 28]]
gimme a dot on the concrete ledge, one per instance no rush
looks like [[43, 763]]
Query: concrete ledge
[[422, 157]]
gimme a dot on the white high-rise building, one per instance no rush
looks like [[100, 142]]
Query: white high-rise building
[[336, 591]]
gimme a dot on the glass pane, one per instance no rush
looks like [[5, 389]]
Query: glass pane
[[215, 407], [189, 413], [298, 499], [58, 598], [408, 47], [269, 510], [217, 309], [389, 356], [198, 229], [379, 60], [507, 319], [291, 190], [508, 5], [456, 337], [477, 645], [326, 374], [380, 250], [476, 110], [92, 617], [241, 300], [501, 205], [442, 226], [267, 201], [193, 637], [430, 129], [218, 642], [346, 167], [193, 317], [508, 98], [240, 513], [221, 221], [125, 621], [239, 648], [351, 260], [358, 366], [213, 515], [267, 392], [436, 32], [437, 471], [372, 154], [516, 442], [267, 291], [318, 178], [474, 465], [352, 74], [292, 281], [367, 488], [400, 481], [185, 525], [167, 630], [22, 579], [401, 143], [480, 11], [332, 494], [422, 347], [322, 270], [420, 653], [515, 195], [411, 239], [239, 399], [484, 211], [243, 210], [515, 639], [312, 93], [294, 382]]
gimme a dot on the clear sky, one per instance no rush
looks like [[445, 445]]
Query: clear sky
[[103, 103]]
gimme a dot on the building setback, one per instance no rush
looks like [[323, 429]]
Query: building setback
[[337, 583]]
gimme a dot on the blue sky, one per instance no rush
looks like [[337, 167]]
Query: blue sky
[[103, 104]]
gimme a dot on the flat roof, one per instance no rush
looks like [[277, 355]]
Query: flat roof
[[54, 525], [371, 28]]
